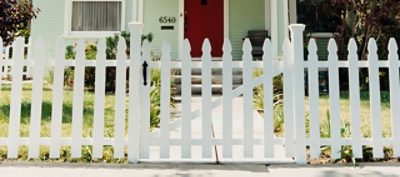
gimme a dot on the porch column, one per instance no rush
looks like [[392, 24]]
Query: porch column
[[274, 27], [279, 24], [137, 10], [285, 19]]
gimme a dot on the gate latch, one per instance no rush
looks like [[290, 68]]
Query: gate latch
[[145, 65]]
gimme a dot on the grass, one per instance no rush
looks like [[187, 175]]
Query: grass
[[324, 110], [88, 114], [89, 99], [364, 112]]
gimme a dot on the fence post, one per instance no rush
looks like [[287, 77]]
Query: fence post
[[136, 29], [298, 91]]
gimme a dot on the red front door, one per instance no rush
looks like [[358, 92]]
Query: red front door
[[204, 19]]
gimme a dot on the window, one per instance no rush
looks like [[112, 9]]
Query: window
[[96, 16]]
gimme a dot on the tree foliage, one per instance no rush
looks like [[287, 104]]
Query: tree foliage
[[15, 17], [365, 19]]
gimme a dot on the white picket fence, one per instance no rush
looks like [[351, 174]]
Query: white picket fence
[[5, 55], [139, 139]]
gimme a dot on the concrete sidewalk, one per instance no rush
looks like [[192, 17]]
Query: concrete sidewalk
[[13, 169]]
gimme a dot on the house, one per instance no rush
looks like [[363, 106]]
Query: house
[[171, 20]]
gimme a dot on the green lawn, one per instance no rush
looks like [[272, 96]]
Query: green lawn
[[365, 113], [109, 112], [46, 113]]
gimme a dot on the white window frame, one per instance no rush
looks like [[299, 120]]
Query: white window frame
[[89, 34]]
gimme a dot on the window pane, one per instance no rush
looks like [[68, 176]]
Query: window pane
[[96, 16]]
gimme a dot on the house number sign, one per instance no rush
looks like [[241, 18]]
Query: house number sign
[[167, 20]]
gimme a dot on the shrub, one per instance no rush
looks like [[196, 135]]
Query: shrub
[[111, 52], [90, 51]]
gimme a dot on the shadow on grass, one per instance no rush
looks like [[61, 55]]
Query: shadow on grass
[[46, 112]]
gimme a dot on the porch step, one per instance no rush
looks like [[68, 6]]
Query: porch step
[[214, 71], [196, 79], [196, 89], [216, 79]]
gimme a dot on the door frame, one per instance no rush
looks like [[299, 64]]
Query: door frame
[[181, 36]]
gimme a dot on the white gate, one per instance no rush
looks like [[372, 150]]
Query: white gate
[[251, 145]]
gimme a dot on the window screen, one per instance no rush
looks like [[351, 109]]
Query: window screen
[[96, 16]]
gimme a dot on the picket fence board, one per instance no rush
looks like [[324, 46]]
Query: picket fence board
[[334, 98], [145, 97], [120, 100], [394, 95], [313, 85], [288, 99], [354, 93], [100, 77], [57, 99], [227, 98], [375, 98], [248, 100], [268, 101], [206, 100], [37, 96], [15, 99], [186, 94], [165, 112], [78, 96]]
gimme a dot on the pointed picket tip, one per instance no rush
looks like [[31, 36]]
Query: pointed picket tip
[[247, 46], [121, 50], [80, 42], [166, 48], [121, 43], [101, 45], [312, 46], [206, 48], [227, 47], [80, 49], [60, 41], [39, 44], [352, 47], [267, 46], [39, 49], [393, 46], [18, 42], [332, 46], [286, 45], [60, 49], [372, 47], [186, 46], [146, 44], [20, 39]]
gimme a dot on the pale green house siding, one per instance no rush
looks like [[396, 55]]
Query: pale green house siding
[[244, 16], [49, 23], [154, 9]]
